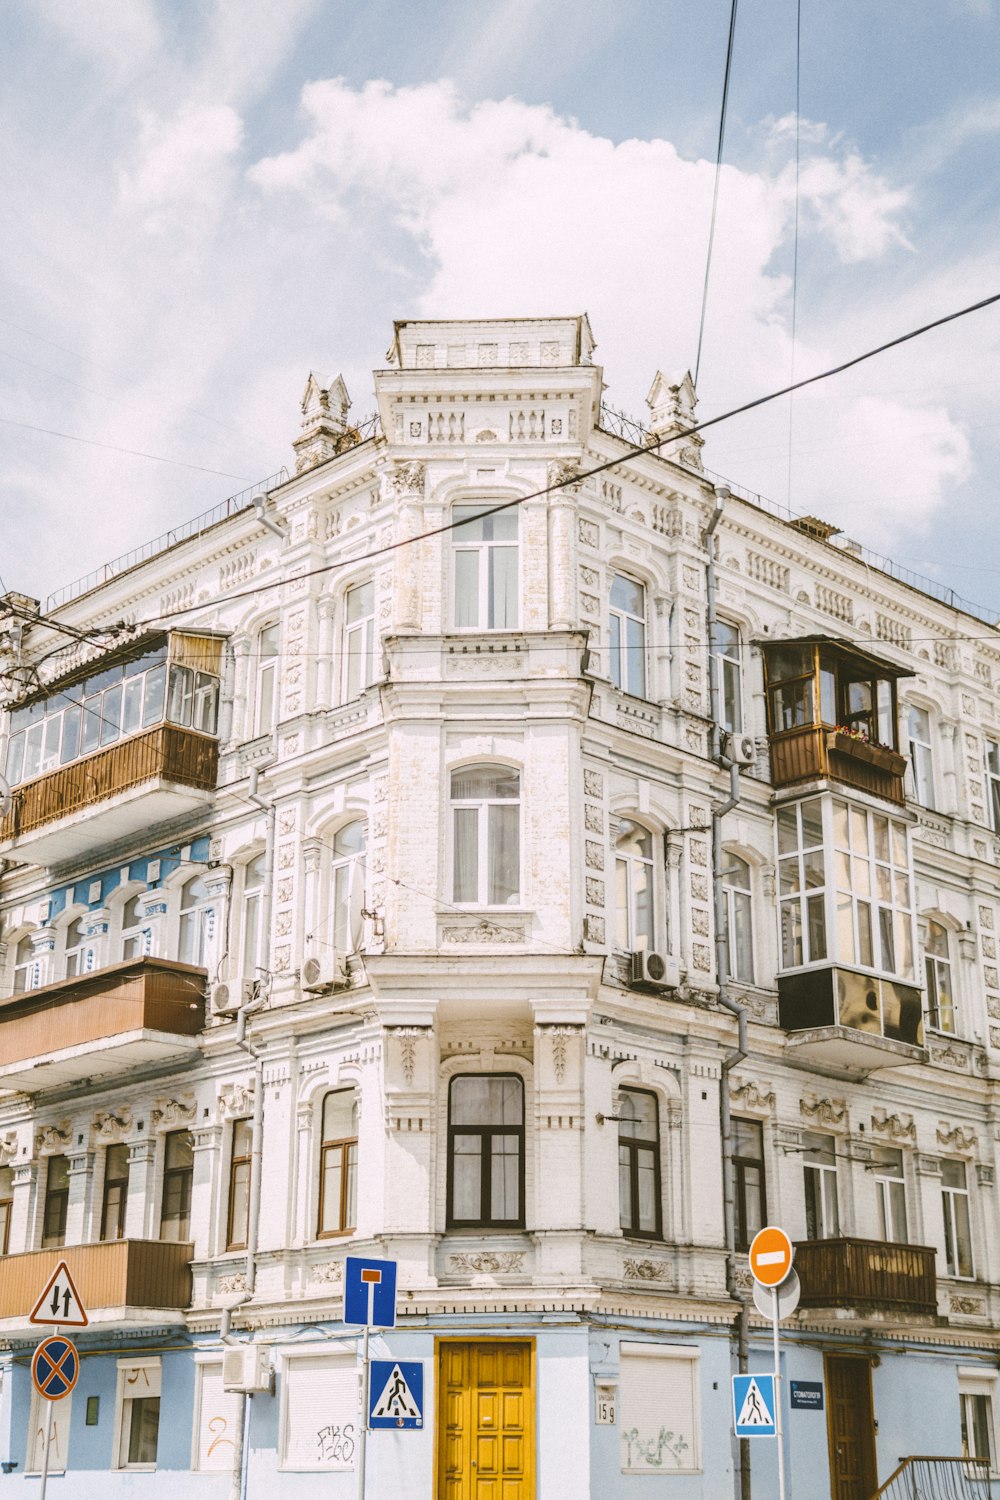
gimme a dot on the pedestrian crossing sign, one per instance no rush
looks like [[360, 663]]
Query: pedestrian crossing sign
[[754, 1405], [396, 1393]]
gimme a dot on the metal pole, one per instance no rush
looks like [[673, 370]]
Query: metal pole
[[45, 1451], [363, 1433], [777, 1396]]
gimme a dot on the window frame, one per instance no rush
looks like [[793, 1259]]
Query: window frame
[[890, 1205], [630, 863], [55, 1199], [921, 746], [6, 1209], [628, 672], [170, 1175], [939, 973], [741, 1162], [192, 921], [737, 899], [109, 1183], [265, 685], [345, 870], [486, 581], [483, 805], [363, 628], [991, 776], [633, 1147], [240, 1174], [819, 1184], [973, 1385], [252, 898], [347, 1149], [952, 1196], [26, 967], [125, 1412], [486, 1134], [729, 679]]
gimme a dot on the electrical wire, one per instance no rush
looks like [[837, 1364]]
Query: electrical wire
[[795, 237], [633, 450], [131, 452], [715, 189]]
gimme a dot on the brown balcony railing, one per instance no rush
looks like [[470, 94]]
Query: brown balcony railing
[[119, 1273], [143, 994], [814, 750], [166, 753], [867, 1275]]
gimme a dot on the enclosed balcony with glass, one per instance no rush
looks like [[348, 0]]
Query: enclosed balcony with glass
[[125, 742], [847, 986], [832, 712]]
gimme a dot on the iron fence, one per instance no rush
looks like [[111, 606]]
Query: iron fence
[[921, 1478]]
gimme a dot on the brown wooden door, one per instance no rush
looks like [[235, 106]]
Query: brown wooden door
[[851, 1427], [486, 1446]]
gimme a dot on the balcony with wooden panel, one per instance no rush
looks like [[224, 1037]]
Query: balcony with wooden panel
[[127, 743], [832, 714], [869, 1278], [118, 1280], [140, 1014]]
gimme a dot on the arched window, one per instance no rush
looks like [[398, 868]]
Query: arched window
[[253, 906], [486, 1152], [634, 877], [639, 1163], [485, 568], [24, 965], [739, 920], [194, 922], [348, 871], [338, 1167], [486, 836], [266, 694], [937, 967], [76, 948], [627, 639], [359, 639], [133, 939]]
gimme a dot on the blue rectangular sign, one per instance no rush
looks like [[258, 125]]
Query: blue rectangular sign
[[807, 1395], [370, 1292], [396, 1393], [753, 1406]]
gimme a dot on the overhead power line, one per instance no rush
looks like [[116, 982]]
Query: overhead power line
[[132, 452]]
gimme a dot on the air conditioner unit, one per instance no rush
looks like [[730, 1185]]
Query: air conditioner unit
[[741, 749], [246, 1368], [656, 970], [324, 973], [226, 999]]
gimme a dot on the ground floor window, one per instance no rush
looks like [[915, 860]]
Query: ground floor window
[[319, 1414], [59, 1444], [659, 1409], [977, 1403], [137, 1413], [217, 1413]]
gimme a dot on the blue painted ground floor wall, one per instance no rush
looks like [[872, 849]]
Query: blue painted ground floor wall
[[618, 1407]]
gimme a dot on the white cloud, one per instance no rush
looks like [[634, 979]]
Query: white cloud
[[181, 162]]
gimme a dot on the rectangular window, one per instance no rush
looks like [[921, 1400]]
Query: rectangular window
[[729, 657], [485, 551], [660, 1416], [6, 1204], [976, 1395], [359, 639], [993, 783], [178, 1176], [56, 1202], [819, 1166], [486, 1152], [627, 635], [59, 1442], [115, 1193], [957, 1228], [921, 755], [319, 1413], [890, 1192], [748, 1180], [486, 829], [338, 1183], [137, 1413], [267, 680], [937, 969], [238, 1217], [639, 1163], [217, 1413]]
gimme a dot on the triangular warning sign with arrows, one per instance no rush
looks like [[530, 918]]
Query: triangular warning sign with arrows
[[396, 1399], [755, 1411], [60, 1305]]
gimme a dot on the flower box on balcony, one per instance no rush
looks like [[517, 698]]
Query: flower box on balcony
[[874, 755]]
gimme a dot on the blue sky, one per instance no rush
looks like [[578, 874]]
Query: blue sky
[[205, 201]]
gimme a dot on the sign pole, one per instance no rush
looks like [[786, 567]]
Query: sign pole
[[777, 1395], [45, 1450], [365, 1372]]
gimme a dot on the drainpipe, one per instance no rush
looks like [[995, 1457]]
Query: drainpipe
[[240, 1445], [739, 1052]]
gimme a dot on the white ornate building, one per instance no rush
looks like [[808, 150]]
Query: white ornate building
[[377, 823]]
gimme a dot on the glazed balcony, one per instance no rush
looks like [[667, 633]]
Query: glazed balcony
[[161, 774], [849, 1022], [116, 1280], [867, 1277], [832, 713], [107, 1024]]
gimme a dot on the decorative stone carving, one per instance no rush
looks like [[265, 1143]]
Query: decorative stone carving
[[111, 1124], [593, 783], [644, 1270], [970, 1306], [228, 1286], [483, 932], [489, 1262], [54, 1137], [897, 1127], [328, 1272], [166, 1114], [752, 1096], [950, 1057], [8, 1148], [563, 473], [236, 1100], [958, 1138], [832, 1112], [407, 1037], [406, 479]]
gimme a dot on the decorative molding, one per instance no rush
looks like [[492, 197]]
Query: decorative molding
[[897, 1127], [235, 1100], [53, 1137], [957, 1138], [970, 1306], [228, 1285], [489, 1262], [950, 1057], [112, 1124], [328, 1272], [8, 1148], [168, 1113], [406, 479], [483, 932], [407, 1037], [645, 1270], [759, 1098], [823, 1112]]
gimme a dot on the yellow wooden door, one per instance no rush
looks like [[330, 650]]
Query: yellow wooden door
[[486, 1439]]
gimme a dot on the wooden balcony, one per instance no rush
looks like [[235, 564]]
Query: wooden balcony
[[128, 1016], [117, 1275], [867, 1276], [850, 1022], [116, 792], [814, 751]]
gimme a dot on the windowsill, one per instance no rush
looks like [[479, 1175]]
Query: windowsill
[[456, 910], [335, 1234]]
